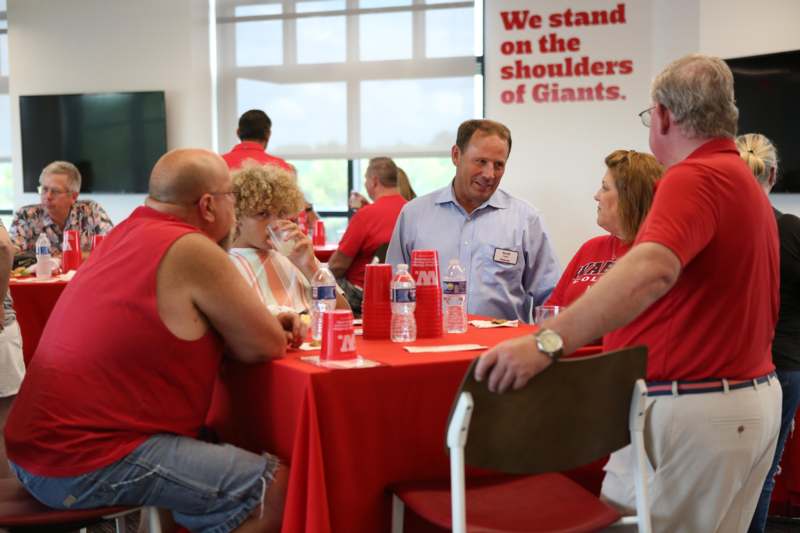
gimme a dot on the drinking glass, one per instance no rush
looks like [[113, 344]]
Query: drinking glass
[[278, 237], [543, 312]]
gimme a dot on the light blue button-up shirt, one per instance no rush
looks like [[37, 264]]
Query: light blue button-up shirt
[[502, 245]]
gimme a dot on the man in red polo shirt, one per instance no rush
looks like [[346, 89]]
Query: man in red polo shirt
[[369, 228], [254, 131], [699, 287]]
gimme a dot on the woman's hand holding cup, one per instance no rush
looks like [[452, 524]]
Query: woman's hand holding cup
[[295, 245]]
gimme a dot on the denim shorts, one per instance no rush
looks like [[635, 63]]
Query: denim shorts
[[210, 488]]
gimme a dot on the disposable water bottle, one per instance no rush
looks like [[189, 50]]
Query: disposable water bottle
[[404, 300], [455, 298], [44, 265], [323, 298]]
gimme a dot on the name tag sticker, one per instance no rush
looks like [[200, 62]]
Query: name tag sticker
[[509, 257]]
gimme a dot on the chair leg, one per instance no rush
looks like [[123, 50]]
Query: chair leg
[[398, 514], [119, 524], [153, 521]]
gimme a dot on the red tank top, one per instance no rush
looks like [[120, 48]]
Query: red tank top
[[107, 373]]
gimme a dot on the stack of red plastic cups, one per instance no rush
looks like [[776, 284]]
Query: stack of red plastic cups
[[71, 251], [428, 313], [376, 306], [338, 336]]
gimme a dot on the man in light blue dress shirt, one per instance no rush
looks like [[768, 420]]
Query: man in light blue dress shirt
[[500, 240]]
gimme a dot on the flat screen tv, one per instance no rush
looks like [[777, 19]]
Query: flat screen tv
[[113, 138], [767, 91]]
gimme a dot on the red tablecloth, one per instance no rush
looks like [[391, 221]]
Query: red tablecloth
[[33, 302], [348, 433], [325, 251]]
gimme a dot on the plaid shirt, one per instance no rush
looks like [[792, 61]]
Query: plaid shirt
[[86, 216]]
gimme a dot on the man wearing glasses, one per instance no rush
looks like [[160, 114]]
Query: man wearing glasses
[[699, 288], [60, 210]]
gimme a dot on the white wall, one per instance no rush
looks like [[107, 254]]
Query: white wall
[[557, 160], [113, 45]]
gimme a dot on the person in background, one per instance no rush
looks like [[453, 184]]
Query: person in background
[[624, 198], [267, 196], [60, 210], [404, 185], [357, 200], [761, 156], [499, 239], [699, 288], [254, 131], [12, 365], [111, 408], [370, 228]]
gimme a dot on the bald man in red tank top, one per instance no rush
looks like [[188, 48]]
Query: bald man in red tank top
[[113, 405]]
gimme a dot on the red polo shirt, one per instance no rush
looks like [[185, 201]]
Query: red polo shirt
[[370, 227], [717, 321], [252, 150]]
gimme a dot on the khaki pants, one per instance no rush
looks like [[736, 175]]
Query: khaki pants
[[709, 455]]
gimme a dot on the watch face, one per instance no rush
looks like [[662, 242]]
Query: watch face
[[550, 341]]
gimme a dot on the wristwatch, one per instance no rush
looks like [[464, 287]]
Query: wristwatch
[[550, 343]]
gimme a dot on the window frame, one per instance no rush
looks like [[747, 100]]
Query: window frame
[[352, 71]]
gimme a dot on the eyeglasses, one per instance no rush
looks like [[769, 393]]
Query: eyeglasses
[[44, 190], [232, 193], [647, 116]]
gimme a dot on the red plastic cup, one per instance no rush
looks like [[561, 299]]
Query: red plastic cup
[[377, 283], [96, 240], [71, 251], [376, 307], [424, 268], [338, 336], [319, 233], [428, 311]]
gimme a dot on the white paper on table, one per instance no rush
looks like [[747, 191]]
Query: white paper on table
[[358, 362], [447, 348], [481, 324], [33, 279], [308, 347]]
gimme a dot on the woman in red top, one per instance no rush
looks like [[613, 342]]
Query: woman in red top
[[623, 201]]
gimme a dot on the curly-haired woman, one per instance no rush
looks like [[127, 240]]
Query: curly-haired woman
[[266, 196]]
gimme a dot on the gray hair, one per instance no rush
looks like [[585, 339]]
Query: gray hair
[[760, 155], [385, 169], [698, 90], [66, 168]]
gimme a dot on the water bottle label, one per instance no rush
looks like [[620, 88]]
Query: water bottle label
[[323, 292], [42, 250], [402, 296], [455, 288]]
